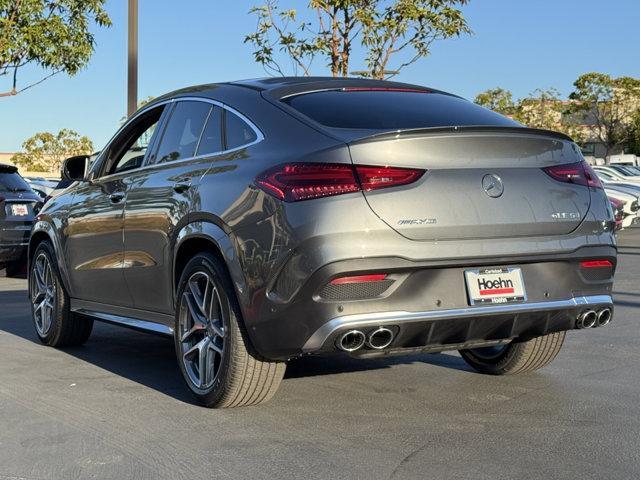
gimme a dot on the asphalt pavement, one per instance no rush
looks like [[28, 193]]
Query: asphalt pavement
[[117, 409]]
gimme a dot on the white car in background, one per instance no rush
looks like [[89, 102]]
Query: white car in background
[[631, 201], [42, 186], [618, 173]]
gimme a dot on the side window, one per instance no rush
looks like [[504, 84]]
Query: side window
[[211, 140], [180, 137], [238, 132], [128, 150]]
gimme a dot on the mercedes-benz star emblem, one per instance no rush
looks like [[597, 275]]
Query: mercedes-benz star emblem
[[492, 185]]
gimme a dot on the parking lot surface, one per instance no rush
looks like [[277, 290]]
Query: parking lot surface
[[117, 409]]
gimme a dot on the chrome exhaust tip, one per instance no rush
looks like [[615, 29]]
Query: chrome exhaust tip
[[380, 338], [604, 317], [587, 319], [351, 341]]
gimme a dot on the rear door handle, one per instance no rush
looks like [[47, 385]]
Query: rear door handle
[[182, 185], [116, 197]]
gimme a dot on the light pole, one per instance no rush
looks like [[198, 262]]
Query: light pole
[[132, 58]]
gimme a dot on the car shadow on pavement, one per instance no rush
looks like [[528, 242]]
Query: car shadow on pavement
[[335, 364], [149, 360]]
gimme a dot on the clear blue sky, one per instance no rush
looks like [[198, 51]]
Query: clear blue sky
[[517, 44]]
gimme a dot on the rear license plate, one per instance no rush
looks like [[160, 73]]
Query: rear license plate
[[19, 210], [495, 285]]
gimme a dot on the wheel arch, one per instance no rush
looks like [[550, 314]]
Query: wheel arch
[[44, 231], [204, 236]]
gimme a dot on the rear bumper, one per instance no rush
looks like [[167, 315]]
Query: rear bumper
[[427, 307], [14, 240], [460, 328]]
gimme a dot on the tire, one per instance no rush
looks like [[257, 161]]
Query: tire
[[55, 324], [14, 269], [208, 320], [516, 357]]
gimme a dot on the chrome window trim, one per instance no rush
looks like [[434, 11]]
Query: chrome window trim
[[259, 136], [320, 336]]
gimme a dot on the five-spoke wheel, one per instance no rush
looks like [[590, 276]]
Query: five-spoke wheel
[[214, 352], [201, 330], [43, 293]]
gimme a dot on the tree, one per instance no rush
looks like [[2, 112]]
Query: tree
[[385, 29], [497, 99], [53, 35], [634, 135], [45, 152], [608, 107], [541, 109]]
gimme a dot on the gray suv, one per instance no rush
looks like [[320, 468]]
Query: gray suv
[[264, 220]]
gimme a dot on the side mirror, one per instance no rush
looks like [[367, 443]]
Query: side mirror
[[75, 168]]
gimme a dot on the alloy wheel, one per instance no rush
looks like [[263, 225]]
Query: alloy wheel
[[201, 330], [43, 293]]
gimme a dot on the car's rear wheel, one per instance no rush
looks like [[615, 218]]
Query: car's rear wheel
[[55, 324], [515, 357], [215, 356], [15, 268]]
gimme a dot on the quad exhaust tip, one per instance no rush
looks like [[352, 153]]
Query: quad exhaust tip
[[351, 341], [587, 319], [380, 338], [604, 317], [591, 318]]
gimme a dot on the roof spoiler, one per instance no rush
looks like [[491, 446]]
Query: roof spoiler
[[462, 129]]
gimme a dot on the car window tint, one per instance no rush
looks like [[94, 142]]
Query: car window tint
[[13, 182], [238, 132], [393, 110], [180, 138], [211, 140]]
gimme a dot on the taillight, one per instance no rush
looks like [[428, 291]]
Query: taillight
[[372, 178], [579, 173], [303, 181]]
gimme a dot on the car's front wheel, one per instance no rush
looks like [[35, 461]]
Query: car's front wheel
[[215, 356], [55, 324], [515, 357]]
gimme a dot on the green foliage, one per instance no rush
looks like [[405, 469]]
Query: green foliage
[[541, 109], [45, 152], [53, 35], [497, 99], [610, 106], [385, 29]]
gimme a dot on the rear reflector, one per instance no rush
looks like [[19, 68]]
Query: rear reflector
[[376, 277], [596, 264], [303, 181], [579, 173]]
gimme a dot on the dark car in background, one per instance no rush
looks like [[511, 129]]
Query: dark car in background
[[263, 220], [18, 206]]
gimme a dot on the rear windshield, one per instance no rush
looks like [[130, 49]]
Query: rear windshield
[[12, 182], [392, 110]]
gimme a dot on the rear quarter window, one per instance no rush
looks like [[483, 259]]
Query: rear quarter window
[[392, 110]]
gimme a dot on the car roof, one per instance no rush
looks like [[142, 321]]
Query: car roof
[[5, 168], [279, 87]]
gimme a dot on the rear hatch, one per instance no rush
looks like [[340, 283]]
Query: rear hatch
[[18, 207], [477, 184], [484, 174]]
